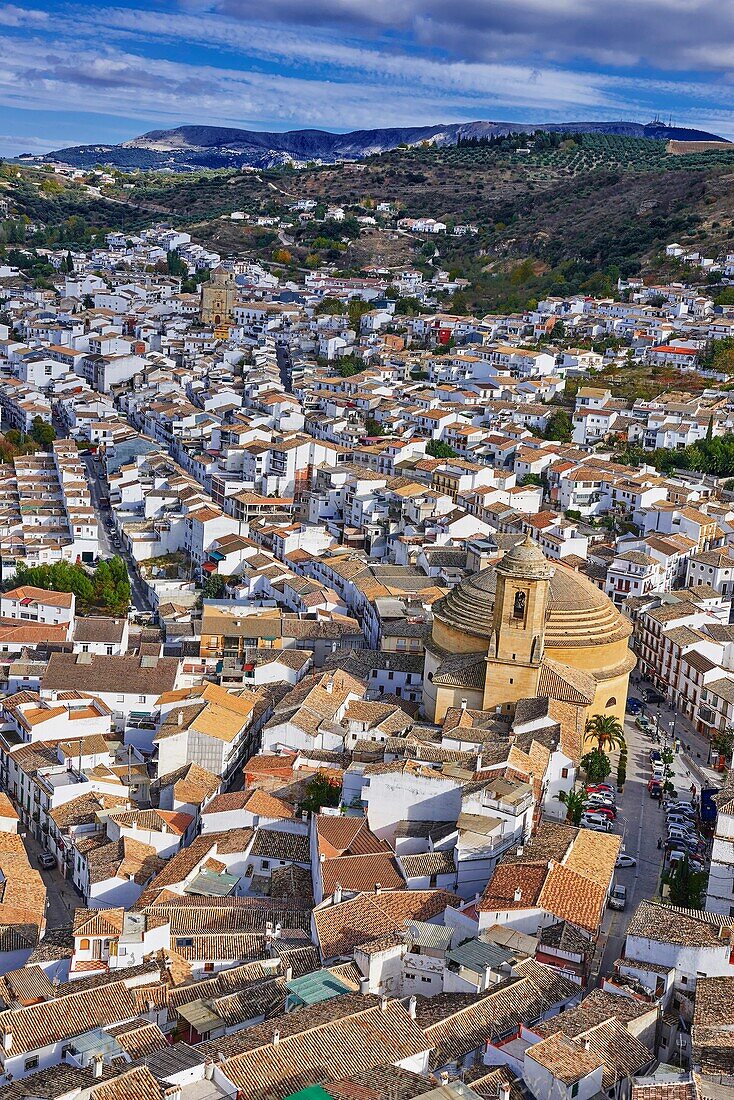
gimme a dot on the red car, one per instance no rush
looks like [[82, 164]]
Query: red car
[[600, 788], [606, 810]]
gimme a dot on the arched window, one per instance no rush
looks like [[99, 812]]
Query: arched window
[[83, 945], [518, 611], [612, 702]]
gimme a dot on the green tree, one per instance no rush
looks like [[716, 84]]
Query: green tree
[[320, 792], [574, 801], [606, 730], [373, 427], [687, 887], [44, 434], [214, 586], [330, 307], [436, 448], [723, 742], [596, 765], [559, 427], [622, 767], [356, 310]]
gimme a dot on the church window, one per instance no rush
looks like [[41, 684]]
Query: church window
[[518, 611], [612, 702]]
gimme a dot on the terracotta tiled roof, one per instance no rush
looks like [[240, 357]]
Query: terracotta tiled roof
[[362, 872], [67, 1017], [509, 878], [350, 1034], [366, 917], [573, 897]]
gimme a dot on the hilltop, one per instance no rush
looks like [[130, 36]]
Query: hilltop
[[187, 147]]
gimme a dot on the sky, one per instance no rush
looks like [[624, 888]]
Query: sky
[[86, 73]]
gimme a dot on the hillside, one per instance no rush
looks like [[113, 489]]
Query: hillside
[[187, 147], [553, 214]]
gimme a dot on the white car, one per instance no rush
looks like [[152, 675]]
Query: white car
[[598, 822], [623, 860], [674, 833]]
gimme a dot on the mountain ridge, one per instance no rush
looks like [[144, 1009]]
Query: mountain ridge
[[185, 147]]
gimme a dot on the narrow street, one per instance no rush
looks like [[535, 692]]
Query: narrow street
[[98, 489], [61, 897], [641, 819]]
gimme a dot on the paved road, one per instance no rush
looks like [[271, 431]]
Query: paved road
[[61, 897], [640, 822], [98, 489]]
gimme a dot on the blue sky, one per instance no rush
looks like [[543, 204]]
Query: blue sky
[[75, 72]]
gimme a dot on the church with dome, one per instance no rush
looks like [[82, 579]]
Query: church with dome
[[524, 628]]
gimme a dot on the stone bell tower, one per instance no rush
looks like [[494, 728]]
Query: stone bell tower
[[218, 296], [518, 621]]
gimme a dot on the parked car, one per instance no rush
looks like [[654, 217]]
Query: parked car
[[601, 788], [642, 723], [634, 706], [677, 854], [623, 860], [681, 823], [618, 897], [656, 756], [655, 788], [654, 697], [600, 822], [601, 808], [601, 796], [608, 811], [679, 809], [675, 833], [47, 861]]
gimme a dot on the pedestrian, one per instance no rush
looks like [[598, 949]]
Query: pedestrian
[[660, 843]]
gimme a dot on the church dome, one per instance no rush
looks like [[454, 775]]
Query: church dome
[[578, 613]]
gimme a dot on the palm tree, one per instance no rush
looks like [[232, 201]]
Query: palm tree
[[574, 801], [607, 731]]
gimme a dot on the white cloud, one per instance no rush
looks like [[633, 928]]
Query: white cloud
[[344, 64], [12, 16]]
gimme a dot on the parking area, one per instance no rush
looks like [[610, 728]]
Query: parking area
[[641, 822]]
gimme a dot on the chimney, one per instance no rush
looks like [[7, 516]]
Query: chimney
[[337, 895], [269, 930], [378, 888], [463, 704], [504, 1091], [587, 1045], [520, 849], [208, 1069], [329, 685], [180, 718], [518, 894], [276, 1037], [173, 1093], [7, 1040], [383, 1003], [98, 1066], [289, 973], [364, 986], [411, 1007]]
